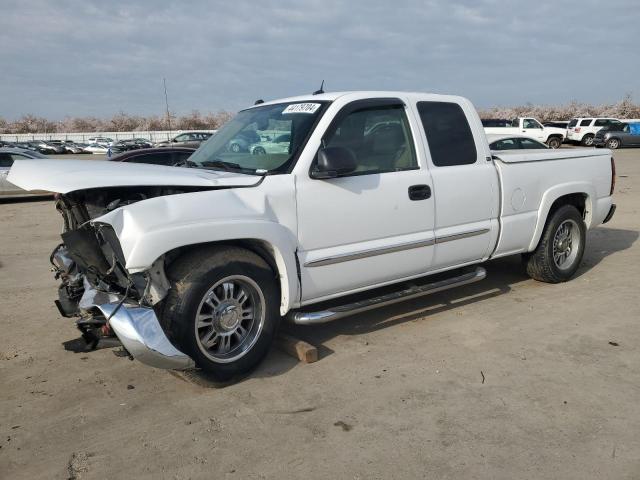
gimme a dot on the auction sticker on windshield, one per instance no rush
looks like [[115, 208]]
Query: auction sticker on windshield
[[301, 108]]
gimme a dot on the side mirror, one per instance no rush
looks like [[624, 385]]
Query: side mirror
[[333, 162]]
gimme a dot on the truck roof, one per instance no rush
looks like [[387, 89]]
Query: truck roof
[[331, 96]]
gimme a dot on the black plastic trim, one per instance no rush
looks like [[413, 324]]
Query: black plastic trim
[[609, 216]]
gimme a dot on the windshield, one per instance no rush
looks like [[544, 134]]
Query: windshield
[[261, 139]]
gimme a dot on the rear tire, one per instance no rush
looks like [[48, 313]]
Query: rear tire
[[554, 142], [222, 309], [587, 140], [560, 251]]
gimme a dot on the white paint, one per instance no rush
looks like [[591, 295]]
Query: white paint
[[507, 199], [65, 176]]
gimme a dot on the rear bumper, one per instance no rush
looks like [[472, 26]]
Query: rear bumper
[[140, 332], [609, 216]]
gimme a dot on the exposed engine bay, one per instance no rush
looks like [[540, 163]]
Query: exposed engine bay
[[90, 263]]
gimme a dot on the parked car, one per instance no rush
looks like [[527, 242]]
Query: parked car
[[106, 141], [196, 266], [189, 139], [618, 135], [72, 147], [243, 140], [130, 144], [530, 127], [25, 146], [279, 144], [65, 146], [96, 148], [7, 157], [6, 144], [583, 130], [514, 142], [170, 156]]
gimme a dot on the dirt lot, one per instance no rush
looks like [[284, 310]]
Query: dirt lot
[[508, 378]]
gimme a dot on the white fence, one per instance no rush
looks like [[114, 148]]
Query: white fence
[[157, 136]]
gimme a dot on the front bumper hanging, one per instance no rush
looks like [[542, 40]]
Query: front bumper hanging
[[142, 336]]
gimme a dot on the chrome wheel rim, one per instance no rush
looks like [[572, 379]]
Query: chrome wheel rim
[[613, 144], [230, 318], [588, 140], [566, 243], [235, 147]]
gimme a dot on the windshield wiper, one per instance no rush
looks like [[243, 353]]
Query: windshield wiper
[[217, 163]]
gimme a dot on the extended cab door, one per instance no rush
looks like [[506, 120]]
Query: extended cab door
[[372, 225], [465, 183]]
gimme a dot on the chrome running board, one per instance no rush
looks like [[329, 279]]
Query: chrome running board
[[413, 291]]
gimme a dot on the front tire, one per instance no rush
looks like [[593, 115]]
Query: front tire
[[559, 253], [222, 309], [554, 142], [613, 143]]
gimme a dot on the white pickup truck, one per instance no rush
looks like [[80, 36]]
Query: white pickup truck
[[530, 127], [379, 197]]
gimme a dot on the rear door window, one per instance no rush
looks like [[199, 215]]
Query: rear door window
[[586, 122], [448, 134]]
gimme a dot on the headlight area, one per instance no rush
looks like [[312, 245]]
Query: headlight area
[[91, 266], [97, 254]]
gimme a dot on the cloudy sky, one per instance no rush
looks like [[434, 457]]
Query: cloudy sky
[[89, 57]]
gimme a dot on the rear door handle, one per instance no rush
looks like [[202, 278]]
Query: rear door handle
[[419, 192]]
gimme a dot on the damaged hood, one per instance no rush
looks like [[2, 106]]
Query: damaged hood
[[64, 176]]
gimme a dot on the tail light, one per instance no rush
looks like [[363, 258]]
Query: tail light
[[613, 175], [577, 129]]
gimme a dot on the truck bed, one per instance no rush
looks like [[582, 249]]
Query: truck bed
[[531, 181]]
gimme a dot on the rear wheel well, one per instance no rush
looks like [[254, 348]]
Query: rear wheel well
[[578, 200]]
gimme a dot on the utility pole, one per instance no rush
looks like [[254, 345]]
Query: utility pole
[[166, 102]]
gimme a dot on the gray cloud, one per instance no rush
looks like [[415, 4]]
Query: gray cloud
[[96, 58]]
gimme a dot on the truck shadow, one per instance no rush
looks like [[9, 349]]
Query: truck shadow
[[502, 275], [602, 242]]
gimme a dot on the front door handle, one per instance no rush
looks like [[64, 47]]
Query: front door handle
[[419, 192]]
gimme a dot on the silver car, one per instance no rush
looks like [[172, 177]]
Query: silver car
[[280, 144], [620, 135], [7, 157]]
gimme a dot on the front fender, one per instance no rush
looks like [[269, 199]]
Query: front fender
[[150, 228], [149, 246]]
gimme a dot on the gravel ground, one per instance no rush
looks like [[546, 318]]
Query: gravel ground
[[508, 378]]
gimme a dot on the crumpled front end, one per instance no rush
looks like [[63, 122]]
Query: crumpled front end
[[100, 293]]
